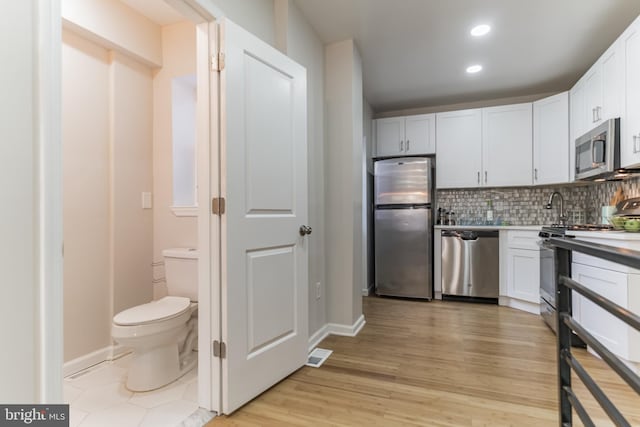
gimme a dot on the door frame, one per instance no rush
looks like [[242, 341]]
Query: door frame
[[48, 155]]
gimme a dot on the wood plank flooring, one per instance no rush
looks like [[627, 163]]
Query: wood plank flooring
[[433, 364]]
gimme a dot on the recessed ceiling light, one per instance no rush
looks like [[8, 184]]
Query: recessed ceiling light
[[480, 30], [474, 69]]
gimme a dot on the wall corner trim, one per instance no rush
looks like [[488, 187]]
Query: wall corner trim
[[336, 329]]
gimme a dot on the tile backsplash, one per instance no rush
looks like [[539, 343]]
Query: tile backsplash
[[525, 205]]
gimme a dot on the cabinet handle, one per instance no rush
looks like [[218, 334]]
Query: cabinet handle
[[408, 145], [599, 113], [535, 174], [401, 146], [593, 115], [485, 177], [635, 143], [478, 177]]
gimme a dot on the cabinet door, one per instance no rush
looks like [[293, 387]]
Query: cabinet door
[[613, 333], [593, 95], [630, 138], [420, 134], [390, 136], [523, 275], [551, 140], [507, 145], [612, 69], [459, 149], [577, 121]]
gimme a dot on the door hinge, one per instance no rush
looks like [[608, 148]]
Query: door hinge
[[217, 205], [219, 349], [217, 62]]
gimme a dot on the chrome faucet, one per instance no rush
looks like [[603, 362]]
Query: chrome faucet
[[562, 217]]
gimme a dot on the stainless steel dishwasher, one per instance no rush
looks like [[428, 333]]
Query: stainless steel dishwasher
[[470, 264]]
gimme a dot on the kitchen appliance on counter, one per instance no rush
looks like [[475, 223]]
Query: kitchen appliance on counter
[[470, 264], [403, 227]]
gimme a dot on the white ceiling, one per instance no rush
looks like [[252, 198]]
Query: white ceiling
[[414, 52]]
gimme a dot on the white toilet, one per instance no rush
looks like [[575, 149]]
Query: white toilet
[[162, 333]]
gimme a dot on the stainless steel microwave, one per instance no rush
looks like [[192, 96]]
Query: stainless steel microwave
[[598, 151]]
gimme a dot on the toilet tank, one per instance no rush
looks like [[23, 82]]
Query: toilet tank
[[181, 272]]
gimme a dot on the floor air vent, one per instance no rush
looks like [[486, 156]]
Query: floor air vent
[[318, 356]]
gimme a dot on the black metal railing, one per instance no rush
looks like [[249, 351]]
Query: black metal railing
[[567, 324]]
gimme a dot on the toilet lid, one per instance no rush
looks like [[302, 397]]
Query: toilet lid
[[161, 309]]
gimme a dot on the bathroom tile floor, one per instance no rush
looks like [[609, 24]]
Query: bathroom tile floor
[[98, 397]]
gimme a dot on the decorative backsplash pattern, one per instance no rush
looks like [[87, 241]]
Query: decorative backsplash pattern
[[525, 205]]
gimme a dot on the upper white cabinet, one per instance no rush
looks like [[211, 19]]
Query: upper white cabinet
[[488, 147], [630, 137], [459, 149], [602, 86], [551, 140], [597, 96], [506, 145], [401, 136]]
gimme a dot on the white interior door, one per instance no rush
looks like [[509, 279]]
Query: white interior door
[[264, 181]]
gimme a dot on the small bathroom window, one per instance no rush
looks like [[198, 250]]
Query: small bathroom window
[[183, 117]]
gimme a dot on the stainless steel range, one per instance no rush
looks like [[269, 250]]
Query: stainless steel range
[[547, 266]]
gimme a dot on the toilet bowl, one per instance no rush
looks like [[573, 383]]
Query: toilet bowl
[[162, 333]]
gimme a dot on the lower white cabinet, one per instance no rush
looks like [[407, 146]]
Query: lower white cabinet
[[520, 270], [620, 288], [523, 275]]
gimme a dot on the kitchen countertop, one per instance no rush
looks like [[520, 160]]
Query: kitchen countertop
[[493, 227], [606, 235]]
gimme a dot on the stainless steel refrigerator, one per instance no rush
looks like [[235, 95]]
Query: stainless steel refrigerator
[[403, 227]]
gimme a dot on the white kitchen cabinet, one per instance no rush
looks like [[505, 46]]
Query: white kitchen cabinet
[[618, 337], [459, 149], [488, 147], [507, 145], [523, 275], [630, 123], [551, 140], [603, 90], [523, 267], [402, 136], [597, 96], [420, 134]]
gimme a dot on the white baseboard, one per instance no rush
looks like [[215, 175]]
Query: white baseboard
[[81, 363], [317, 337], [529, 307], [336, 329], [368, 291]]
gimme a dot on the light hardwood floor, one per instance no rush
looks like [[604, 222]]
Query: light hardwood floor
[[433, 364]]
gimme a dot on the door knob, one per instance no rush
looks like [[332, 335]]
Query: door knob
[[305, 229]]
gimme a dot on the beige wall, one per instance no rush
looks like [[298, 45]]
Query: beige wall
[[106, 118], [114, 25], [86, 198], [299, 41], [343, 182], [170, 231], [131, 175]]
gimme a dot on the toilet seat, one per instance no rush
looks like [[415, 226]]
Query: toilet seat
[[163, 309]]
